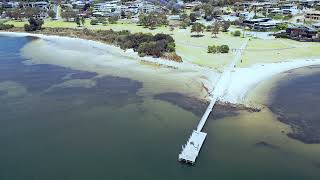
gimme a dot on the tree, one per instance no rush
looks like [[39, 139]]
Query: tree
[[152, 20], [83, 21], [241, 19], [68, 14], [15, 14], [51, 14], [77, 21], [208, 10], [31, 12], [215, 29], [113, 19], [34, 24], [198, 28], [171, 28], [225, 26], [193, 17]]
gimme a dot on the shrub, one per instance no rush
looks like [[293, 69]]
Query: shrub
[[34, 24], [172, 57], [208, 28], [218, 49], [6, 26], [223, 48], [94, 22], [158, 45], [113, 19], [212, 49], [237, 33], [282, 26], [183, 25]]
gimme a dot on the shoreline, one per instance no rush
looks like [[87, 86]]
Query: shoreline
[[191, 79], [242, 80]]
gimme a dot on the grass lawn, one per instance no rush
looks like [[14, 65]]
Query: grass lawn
[[194, 49], [277, 50]]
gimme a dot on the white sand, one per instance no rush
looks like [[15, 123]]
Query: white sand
[[158, 75], [245, 79], [182, 77]]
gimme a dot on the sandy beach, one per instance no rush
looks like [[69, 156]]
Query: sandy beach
[[158, 75], [243, 80], [163, 75]]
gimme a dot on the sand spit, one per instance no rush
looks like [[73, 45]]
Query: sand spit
[[243, 80]]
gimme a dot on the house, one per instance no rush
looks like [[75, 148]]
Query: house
[[174, 17], [313, 16], [289, 9], [147, 7], [110, 8], [316, 26], [308, 3], [252, 22], [42, 5], [78, 4], [10, 5], [192, 4], [131, 7], [265, 26], [300, 33]]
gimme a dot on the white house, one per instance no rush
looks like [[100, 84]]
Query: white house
[[111, 8], [9, 5]]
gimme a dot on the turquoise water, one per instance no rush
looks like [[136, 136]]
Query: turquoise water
[[107, 131]]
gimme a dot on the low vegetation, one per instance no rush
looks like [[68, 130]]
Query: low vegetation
[[236, 33], [153, 20], [6, 26], [218, 49], [34, 25], [158, 45]]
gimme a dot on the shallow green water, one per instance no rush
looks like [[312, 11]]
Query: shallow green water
[[106, 131]]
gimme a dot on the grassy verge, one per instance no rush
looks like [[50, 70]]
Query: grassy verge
[[194, 49], [277, 50]]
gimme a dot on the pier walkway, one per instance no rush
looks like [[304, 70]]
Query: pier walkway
[[191, 149]]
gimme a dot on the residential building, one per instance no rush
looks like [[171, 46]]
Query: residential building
[[300, 33], [192, 4], [10, 5], [265, 26], [110, 8], [313, 16], [252, 22]]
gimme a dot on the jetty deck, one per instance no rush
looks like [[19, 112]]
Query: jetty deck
[[191, 150]]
